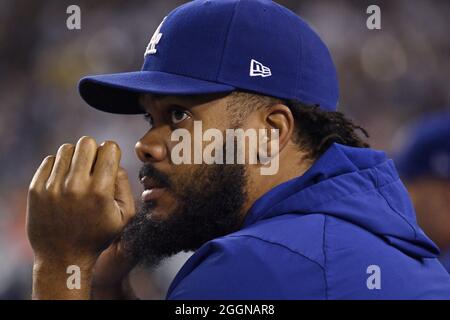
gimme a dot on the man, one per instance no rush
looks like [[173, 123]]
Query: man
[[333, 222], [424, 165]]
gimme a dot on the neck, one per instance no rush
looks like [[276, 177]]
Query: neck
[[259, 184]]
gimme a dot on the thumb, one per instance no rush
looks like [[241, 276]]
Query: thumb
[[124, 196]]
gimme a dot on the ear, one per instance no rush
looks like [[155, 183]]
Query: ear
[[279, 117]]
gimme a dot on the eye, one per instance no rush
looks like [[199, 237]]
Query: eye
[[178, 115], [149, 119]]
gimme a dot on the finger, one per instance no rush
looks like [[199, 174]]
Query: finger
[[61, 166], [106, 167], [82, 160], [124, 196], [42, 173]]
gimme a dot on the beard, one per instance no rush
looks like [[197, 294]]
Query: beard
[[209, 205]]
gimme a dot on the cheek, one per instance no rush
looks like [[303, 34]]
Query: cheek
[[182, 175]]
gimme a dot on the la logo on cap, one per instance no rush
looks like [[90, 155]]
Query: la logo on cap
[[151, 48]]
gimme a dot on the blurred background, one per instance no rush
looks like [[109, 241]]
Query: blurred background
[[388, 78]]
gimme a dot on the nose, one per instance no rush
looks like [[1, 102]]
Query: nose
[[150, 149]]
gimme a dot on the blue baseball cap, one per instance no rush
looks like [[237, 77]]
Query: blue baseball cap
[[219, 46], [427, 150]]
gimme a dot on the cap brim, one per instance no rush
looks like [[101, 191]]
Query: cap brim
[[119, 92]]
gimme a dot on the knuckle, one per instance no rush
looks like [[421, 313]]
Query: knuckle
[[66, 147], [51, 185], [32, 187], [111, 145], [49, 158], [98, 194], [71, 190], [52, 192], [87, 141], [33, 191]]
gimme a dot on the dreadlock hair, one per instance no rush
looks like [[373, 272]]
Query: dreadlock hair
[[316, 129]]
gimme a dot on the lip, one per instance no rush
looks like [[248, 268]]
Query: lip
[[152, 194], [152, 190]]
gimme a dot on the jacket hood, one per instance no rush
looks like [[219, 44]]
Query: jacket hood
[[358, 185]]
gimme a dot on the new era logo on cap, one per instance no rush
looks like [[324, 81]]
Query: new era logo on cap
[[257, 69]]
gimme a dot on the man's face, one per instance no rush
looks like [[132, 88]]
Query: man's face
[[183, 205]]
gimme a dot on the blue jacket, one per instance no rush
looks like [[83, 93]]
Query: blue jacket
[[445, 260], [345, 229]]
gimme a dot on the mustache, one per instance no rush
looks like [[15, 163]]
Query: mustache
[[162, 179]]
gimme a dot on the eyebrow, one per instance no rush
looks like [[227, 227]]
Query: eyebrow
[[185, 101], [152, 99]]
